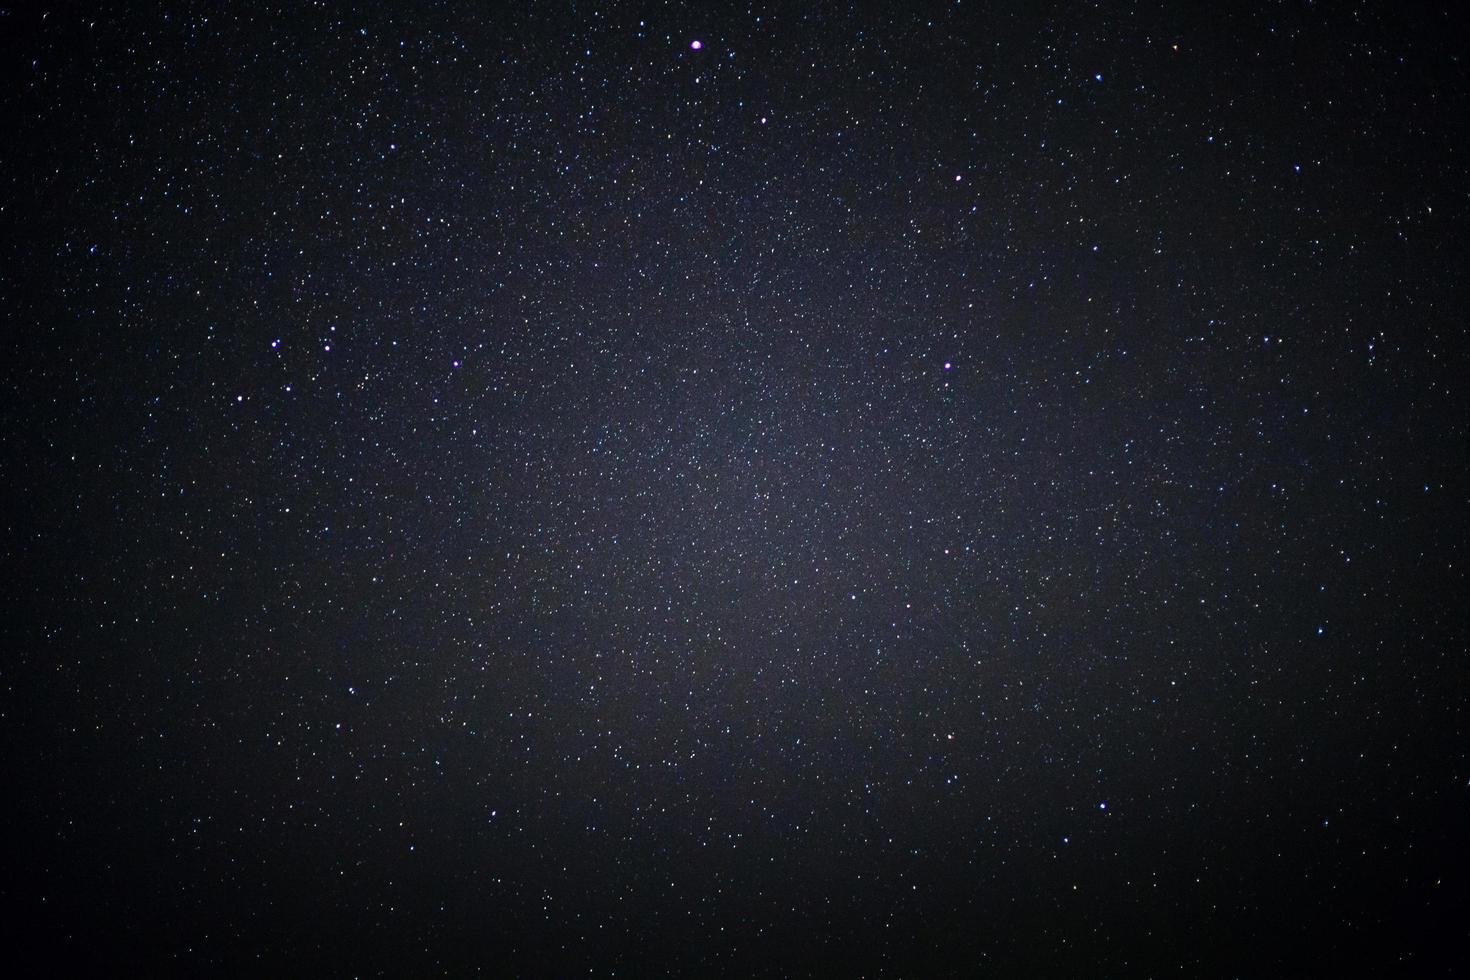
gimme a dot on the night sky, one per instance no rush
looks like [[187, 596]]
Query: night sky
[[551, 489]]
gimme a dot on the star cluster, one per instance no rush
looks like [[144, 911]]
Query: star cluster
[[908, 490]]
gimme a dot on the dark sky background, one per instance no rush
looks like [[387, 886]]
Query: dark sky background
[[918, 489]]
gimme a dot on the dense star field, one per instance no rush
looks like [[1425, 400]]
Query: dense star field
[[559, 489]]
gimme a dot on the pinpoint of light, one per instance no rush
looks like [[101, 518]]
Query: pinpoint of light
[[947, 365], [696, 45]]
